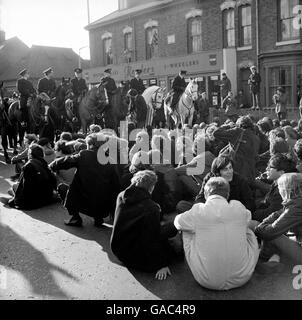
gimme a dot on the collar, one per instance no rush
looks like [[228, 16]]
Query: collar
[[216, 197]]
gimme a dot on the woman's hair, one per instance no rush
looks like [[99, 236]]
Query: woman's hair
[[94, 128], [220, 163], [290, 185], [217, 186], [291, 132], [298, 149], [277, 132], [282, 163], [95, 140], [265, 124], [278, 145], [284, 123], [276, 123], [144, 179]]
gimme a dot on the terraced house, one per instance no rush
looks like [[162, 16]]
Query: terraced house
[[204, 37]]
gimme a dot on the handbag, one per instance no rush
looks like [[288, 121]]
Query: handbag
[[230, 150]]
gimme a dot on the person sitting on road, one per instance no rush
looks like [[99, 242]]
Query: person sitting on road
[[219, 246], [138, 239], [36, 184], [274, 229], [49, 154]]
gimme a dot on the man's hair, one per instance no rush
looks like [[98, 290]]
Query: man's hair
[[217, 186], [284, 123], [144, 179], [290, 185], [35, 151], [66, 148], [282, 163], [245, 122], [139, 162], [95, 140], [67, 136], [265, 124], [298, 149]]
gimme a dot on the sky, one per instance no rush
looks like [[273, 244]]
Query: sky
[[58, 23]]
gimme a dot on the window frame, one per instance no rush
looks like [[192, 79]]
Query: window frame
[[190, 35], [225, 30], [108, 60], [150, 52], [279, 24], [241, 27], [126, 42]]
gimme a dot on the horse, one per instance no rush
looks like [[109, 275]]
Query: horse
[[184, 110], [93, 106], [154, 97], [62, 94]]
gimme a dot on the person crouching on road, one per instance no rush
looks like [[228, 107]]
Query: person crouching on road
[[220, 248], [138, 239], [95, 186]]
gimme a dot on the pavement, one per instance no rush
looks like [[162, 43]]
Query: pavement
[[42, 259]]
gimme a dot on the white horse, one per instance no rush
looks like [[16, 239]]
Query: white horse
[[154, 97], [184, 110]]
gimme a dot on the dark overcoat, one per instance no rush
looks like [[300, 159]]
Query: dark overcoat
[[94, 188]]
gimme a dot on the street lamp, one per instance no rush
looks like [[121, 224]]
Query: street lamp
[[80, 61]]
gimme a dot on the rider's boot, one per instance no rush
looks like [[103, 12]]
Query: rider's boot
[[7, 158]]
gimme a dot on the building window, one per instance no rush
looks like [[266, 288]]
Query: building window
[[280, 77], [151, 42], [286, 29], [228, 28], [299, 83], [128, 45], [245, 26], [195, 35], [107, 51]]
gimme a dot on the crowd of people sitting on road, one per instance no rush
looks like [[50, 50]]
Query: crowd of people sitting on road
[[231, 192]]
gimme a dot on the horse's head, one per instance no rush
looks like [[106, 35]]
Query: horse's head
[[158, 97], [100, 94], [192, 89], [66, 87]]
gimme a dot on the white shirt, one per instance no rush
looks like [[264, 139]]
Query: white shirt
[[220, 249]]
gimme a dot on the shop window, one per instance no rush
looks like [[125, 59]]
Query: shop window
[[280, 77], [107, 51], [195, 35], [245, 26], [151, 42], [286, 15], [228, 28]]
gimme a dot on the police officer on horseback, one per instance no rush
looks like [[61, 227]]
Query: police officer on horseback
[[109, 84], [79, 89], [26, 90], [178, 86], [137, 83], [47, 84]]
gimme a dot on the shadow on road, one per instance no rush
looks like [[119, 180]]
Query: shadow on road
[[20, 256]]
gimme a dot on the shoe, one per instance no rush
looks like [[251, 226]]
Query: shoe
[[98, 222], [257, 108], [74, 222], [269, 267]]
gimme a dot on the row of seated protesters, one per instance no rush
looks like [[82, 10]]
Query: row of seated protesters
[[222, 211]]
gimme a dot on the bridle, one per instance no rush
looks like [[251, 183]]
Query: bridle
[[154, 101]]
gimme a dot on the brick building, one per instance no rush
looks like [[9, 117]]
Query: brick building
[[204, 37]]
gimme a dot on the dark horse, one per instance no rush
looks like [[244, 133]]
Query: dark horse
[[42, 116], [95, 108], [62, 94]]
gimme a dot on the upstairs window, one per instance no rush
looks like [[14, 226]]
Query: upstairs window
[[228, 28], [286, 16], [107, 48], [195, 35], [151, 42], [245, 26]]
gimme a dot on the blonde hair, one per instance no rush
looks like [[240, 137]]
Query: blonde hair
[[144, 179], [290, 185]]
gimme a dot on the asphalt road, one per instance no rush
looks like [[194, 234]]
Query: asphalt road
[[40, 258]]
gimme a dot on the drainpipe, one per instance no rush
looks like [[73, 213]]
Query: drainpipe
[[257, 34]]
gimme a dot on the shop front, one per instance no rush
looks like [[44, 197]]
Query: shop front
[[205, 67]]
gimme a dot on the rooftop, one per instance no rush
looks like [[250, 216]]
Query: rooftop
[[126, 12]]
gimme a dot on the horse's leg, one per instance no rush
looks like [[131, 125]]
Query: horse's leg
[[4, 140]]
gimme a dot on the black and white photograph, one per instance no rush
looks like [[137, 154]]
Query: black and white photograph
[[150, 151]]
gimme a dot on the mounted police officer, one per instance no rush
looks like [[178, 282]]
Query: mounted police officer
[[137, 83], [47, 84], [79, 88], [178, 86], [109, 84], [26, 90]]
